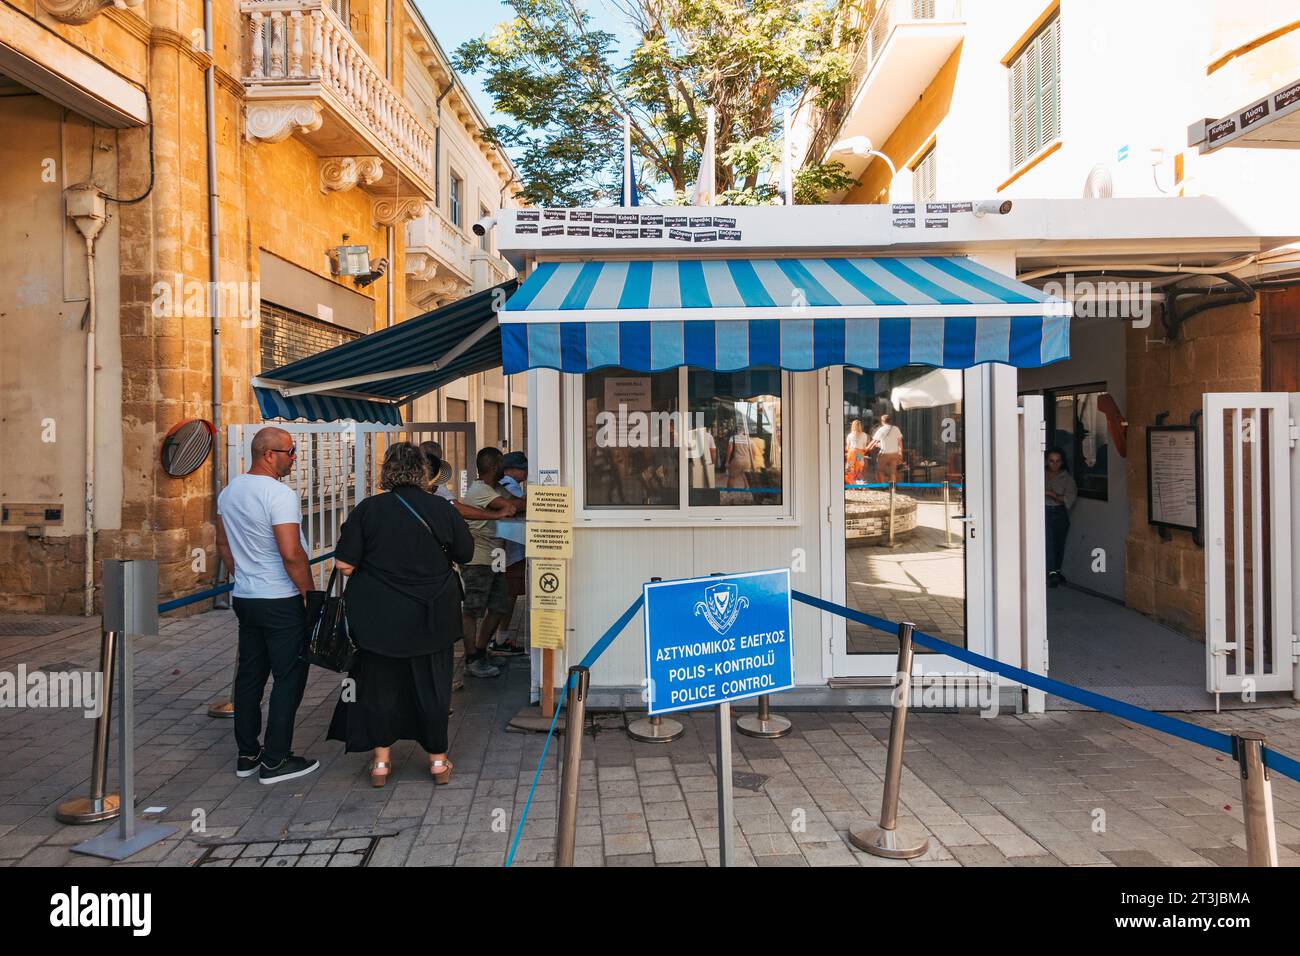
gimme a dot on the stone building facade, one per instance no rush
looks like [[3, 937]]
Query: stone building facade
[[320, 142]]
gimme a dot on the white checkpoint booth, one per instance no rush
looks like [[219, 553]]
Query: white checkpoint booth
[[750, 339]]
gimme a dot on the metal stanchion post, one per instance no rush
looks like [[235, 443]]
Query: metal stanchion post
[[657, 729], [885, 839], [889, 538], [131, 609], [99, 806], [947, 518], [765, 723], [566, 832], [726, 823], [1256, 799]]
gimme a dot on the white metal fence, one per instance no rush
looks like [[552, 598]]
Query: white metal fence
[[338, 464]]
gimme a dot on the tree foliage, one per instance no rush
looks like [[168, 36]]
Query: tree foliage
[[566, 86]]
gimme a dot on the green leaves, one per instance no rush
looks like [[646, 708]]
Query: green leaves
[[566, 86]]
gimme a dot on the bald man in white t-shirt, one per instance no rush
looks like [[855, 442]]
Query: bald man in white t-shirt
[[889, 439]]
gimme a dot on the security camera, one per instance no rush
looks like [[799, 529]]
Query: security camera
[[991, 206], [481, 227]]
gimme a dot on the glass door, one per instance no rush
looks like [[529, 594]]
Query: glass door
[[906, 465]]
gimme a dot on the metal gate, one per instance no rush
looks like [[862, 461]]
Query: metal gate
[[338, 465], [1248, 460]]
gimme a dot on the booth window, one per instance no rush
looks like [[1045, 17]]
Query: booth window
[[689, 441], [631, 453], [733, 442], [1036, 93], [1079, 429]]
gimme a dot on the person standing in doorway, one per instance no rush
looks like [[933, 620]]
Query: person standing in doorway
[[888, 440], [259, 537], [1061, 493], [855, 453]]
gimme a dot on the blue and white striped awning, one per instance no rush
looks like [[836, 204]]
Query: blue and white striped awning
[[368, 379], [796, 314]]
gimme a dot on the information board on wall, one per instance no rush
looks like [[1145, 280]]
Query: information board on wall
[[1174, 477]]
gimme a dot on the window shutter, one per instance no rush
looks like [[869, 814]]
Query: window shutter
[[1049, 60], [1018, 112], [922, 9]]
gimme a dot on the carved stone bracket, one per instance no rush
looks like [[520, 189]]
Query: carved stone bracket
[[433, 293], [83, 11], [274, 121], [396, 212], [420, 266], [341, 173]]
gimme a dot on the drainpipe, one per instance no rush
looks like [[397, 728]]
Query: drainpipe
[[214, 261], [389, 284], [89, 211]]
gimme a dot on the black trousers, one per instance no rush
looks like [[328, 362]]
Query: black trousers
[[272, 636], [1057, 527]]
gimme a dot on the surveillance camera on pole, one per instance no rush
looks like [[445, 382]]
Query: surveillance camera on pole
[[995, 207], [481, 227]]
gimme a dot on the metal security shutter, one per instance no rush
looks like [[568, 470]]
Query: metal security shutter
[[288, 336], [1036, 94]]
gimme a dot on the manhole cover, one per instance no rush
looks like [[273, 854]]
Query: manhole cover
[[749, 781], [345, 852]]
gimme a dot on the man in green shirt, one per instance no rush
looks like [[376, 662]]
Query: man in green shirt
[[486, 594]]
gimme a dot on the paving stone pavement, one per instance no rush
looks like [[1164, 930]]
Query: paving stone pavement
[[1066, 788]]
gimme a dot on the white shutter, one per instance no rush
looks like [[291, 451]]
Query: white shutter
[[1049, 62], [1018, 113]]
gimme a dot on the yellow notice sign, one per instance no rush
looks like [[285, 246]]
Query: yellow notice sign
[[551, 504], [547, 540], [546, 629], [549, 584]]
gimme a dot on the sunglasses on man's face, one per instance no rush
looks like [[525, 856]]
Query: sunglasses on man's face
[[291, 451]]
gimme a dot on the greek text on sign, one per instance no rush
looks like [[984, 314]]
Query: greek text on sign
[[710, 640], [546, 629], [549, 584], [546, 540], [550, 503]]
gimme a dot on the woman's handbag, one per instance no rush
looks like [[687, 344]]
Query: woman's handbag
[[331, 645]]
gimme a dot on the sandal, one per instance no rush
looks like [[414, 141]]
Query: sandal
[[443, 775], [378, 779]]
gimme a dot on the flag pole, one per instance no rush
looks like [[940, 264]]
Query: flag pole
[[627, 160], [787, 160]]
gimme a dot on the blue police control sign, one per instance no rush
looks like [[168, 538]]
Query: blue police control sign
[[709, 640]]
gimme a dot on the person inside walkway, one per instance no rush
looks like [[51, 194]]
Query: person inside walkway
[[487, 597], [259, 537], [403, 606], [1061, 494], [888, 441], [739, 463], [856, 443], [514, 481]]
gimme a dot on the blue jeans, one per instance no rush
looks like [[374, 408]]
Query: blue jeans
[[1057, 526]]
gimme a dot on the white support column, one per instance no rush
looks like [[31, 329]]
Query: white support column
[[1033, 565]]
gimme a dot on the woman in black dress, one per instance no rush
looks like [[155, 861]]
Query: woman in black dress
[[403, 606]]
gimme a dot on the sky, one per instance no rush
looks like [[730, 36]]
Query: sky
[[455, 21]]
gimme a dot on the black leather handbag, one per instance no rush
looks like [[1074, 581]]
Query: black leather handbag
[[331, 645]]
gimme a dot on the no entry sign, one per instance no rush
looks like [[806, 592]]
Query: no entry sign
[[716, 639]]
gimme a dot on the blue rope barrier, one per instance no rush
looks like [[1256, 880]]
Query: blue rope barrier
[[592, 656], [884, 485], [1195, 733], [173, 604]]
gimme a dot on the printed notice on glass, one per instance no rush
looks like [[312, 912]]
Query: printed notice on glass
[[1172, 476]]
